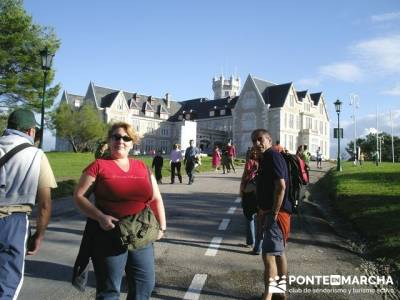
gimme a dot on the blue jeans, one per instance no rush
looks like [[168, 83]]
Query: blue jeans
[[251, 234], [112, 261], [13, 236]]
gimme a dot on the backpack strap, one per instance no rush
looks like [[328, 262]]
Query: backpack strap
[[12, 152]]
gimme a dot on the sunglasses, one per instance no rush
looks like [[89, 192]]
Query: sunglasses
[[117, 137]]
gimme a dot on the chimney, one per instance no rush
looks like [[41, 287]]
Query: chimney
[[168, 100]]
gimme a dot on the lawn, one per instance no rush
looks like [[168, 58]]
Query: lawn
[[369, 196], [68, 166]]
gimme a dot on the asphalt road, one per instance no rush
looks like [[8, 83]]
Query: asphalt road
[[187, 266]]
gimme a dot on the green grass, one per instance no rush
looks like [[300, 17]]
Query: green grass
[[68, 167], [369, 196]]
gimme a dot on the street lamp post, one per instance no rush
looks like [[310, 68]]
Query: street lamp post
[[338, 105], [47, 58]]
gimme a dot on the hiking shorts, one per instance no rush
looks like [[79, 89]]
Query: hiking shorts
[[273, 240]]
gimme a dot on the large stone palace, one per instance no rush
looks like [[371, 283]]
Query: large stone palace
[[293, 117]]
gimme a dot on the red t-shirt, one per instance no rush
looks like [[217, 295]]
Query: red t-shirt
[[119, 193]]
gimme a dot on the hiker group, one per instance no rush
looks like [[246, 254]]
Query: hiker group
[[272, 187], [128, 213]]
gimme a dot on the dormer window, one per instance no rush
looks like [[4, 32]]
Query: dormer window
[[163, 116], [222, 112], [212, 113], [135, 111], [187, 116], [149, 113], [180, 117], [77, 103]]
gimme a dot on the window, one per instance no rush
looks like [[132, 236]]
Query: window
[[297, 122], [315, 125], [307, 107], [321, 108], [135, 111], [164, 146], [187, 116], [212, 113], [285, 120], [180, 117], [150, 127], [149, 145], [291, 101], [163, 116], [226, 93], [291, 121], [321, 127], [120, 105], [149, 114], [326, 131], [136, 124], [165, 131], [308, 123], [222, 112], [77, 103], [291, 148]]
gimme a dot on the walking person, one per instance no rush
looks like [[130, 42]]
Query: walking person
[[318, 156], [362, 158], [176, 158], [191, 154], [25, 179], [216, 158], [226, 168], [305, 156], [274, 208], [249, 201], [278, 147], [124, 187], [231, 154], [157, 164], [102, 150]]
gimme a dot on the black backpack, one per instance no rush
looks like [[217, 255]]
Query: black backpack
[[296, 180]]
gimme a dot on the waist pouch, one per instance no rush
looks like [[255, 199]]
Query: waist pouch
[[139, 230]]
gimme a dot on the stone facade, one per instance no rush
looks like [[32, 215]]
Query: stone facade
[[293, 117]]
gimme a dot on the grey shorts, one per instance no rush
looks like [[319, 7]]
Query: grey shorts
[[273, 242]]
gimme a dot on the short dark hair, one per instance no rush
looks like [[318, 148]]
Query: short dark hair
[[260, 131], [277, 142]]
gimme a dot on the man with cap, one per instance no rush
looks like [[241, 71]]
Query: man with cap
[[25, 179]]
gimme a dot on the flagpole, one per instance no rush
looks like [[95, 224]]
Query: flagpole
[[391, 124]]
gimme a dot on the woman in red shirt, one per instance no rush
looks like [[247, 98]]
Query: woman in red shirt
[[122, 187]]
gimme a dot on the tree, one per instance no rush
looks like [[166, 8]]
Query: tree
[[21, 76], [82, 128], [368, 146]]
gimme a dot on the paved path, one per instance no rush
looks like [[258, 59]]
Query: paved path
[[202, 256]]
